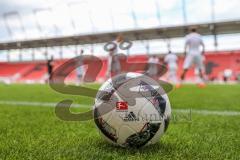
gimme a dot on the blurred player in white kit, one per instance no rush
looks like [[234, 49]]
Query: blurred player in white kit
[[171, 61], [80, 69], [194, 52], [153, 67]]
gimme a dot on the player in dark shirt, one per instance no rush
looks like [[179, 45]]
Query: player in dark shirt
[[50, 67]]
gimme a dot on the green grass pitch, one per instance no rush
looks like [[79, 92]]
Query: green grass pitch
[[34, 132]]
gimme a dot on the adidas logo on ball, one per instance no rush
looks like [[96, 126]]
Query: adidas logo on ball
[[127, 117]]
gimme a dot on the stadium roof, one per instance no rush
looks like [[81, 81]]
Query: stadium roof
[[229, 27]]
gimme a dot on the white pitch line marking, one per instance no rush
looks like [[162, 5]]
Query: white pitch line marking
[[39, 104], [53, 104], [209, 112]]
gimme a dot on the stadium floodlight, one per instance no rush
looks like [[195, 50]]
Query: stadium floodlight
[[184, 12], [71, 18], [158, 12], [213, 27], [73, 23], [7, 26], [40, 27], [134, 16], [7, 16], [15, 14], [112, 18], [38, 23], [213, 10]]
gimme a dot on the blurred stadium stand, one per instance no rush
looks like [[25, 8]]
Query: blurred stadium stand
[[155, 27], [36, 72]]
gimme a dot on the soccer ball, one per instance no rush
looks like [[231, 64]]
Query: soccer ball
[[131, 110]]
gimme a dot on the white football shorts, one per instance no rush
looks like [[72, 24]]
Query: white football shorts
[[191, 59]]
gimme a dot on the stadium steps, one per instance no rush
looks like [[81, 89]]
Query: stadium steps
[[35, 74]]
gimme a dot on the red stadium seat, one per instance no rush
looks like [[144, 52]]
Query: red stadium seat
[[215, 64]]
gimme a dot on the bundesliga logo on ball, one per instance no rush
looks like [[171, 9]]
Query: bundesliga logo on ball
[[133, 113]]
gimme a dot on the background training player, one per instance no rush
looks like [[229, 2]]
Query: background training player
[[171, 61], [114, 66], [194, 51], [80, 69], [153, 67]]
